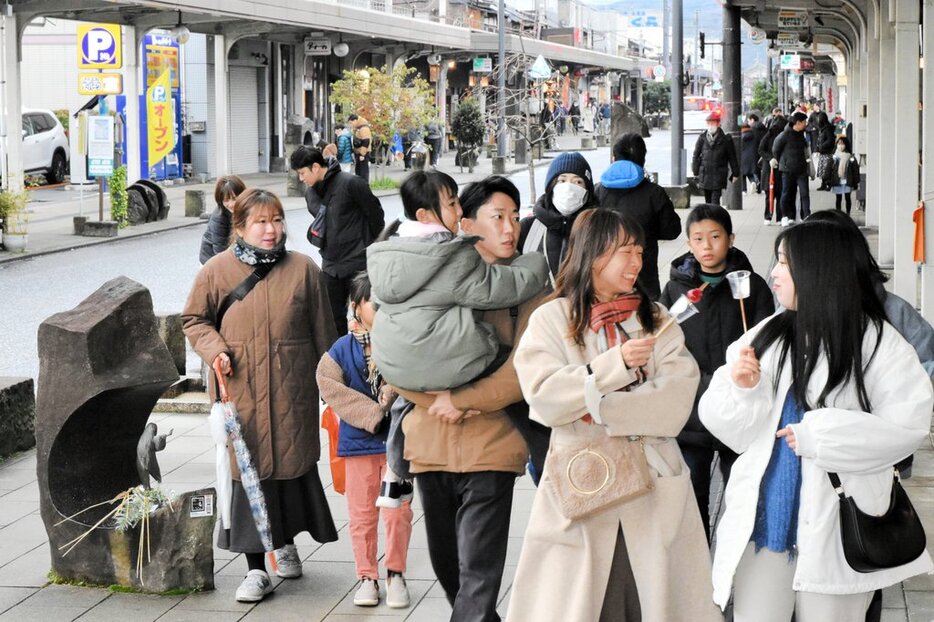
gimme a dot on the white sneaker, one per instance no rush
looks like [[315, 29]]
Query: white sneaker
[[288, 563], [368, 593], [393, 494], [255, 586], [767, 222], [784, 221], [397, 592]]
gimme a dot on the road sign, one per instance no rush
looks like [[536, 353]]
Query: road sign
[[790, 62], [317, 47], [99, 46], [659, 72], [101, 146], [100, 83], [792, 20], [483, 65], [788, 40], [757, 35]]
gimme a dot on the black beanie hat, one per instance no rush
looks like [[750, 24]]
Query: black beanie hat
[[569, 162]]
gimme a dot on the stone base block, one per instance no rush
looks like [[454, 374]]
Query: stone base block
[[194, 203], [680, 196], [95, 228], [170, 329], [17, 415], [587, 142], [499, 165]]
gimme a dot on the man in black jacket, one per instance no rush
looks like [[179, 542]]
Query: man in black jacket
[[714, 154], [353, 219], [789, 155], [624, 188]]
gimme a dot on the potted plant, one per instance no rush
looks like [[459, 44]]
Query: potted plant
[[15, 219], [469, 129]]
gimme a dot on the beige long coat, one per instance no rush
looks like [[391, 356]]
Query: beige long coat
[[274, 337], [564, 565]]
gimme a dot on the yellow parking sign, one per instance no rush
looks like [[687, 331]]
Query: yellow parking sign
[[99, 46]]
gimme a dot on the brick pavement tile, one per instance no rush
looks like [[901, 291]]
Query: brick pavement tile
[[920, 606], [67, 596], [19, 538], [366, 617], [12, 596], [136, 607], [187, 615], [45, 614], [12, 511], [431, 610], [920, 583], [221, 598], [185, 443], [894, 615], [29, 492], [893, 597], [12, 479]]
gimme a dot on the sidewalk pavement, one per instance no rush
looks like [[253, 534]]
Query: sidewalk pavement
[[325, 592], [51, 210]]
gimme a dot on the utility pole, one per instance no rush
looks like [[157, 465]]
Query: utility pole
[[677, 93], [501, 137], [696, 58], [666, 26], [732, 94]]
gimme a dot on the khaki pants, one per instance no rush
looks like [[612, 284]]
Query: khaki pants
[[762, 593]]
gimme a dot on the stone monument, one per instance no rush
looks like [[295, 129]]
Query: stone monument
[[102, 367]]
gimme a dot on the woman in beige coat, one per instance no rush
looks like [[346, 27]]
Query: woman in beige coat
[[269, 344], [590, 367]]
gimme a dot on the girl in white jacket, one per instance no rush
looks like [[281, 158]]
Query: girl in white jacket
[[827, 385]]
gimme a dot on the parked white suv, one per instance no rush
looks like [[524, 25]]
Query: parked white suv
[[45, 146]]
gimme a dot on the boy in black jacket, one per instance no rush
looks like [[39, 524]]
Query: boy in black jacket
[[707, 334]]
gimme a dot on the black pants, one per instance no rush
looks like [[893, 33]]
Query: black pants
[[849, 202], [338, 293], [793, 183], [712, 196], [362, 168], [435, 144], [467, 522], [700, 461]]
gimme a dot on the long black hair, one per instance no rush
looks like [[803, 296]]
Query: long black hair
[[836, 305]]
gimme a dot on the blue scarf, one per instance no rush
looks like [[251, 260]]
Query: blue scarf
[[780, 491]]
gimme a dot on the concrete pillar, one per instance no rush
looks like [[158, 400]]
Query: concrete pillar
[[12, 106], [278, 100], [131, 90], [639, 92], [882, 206], [732, 96], [872, 122], [927, 158], [904, 110], [221, 108]]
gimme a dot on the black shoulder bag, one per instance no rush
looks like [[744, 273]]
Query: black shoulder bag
[[873, 543], [240, 291]]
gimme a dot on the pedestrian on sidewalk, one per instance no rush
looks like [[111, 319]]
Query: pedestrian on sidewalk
[[768, 175], [344, 147], [353, 219], [352, 386], [844, 174], [624, 187], [790, 158], [463, 446], [799, 404], [362, 146], [707, 334], [826, 146], [269, 343], [591, 370], [216, 238], [569, 189], [433, 136], [714, 160], [751, 134]]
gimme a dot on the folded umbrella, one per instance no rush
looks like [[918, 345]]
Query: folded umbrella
[[249, 478]]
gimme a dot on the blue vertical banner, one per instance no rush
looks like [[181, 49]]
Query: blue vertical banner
[[160, 53]]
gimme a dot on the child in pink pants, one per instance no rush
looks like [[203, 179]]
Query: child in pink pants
[[352, 386]]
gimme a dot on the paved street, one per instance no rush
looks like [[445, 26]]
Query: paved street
[[32, 289]]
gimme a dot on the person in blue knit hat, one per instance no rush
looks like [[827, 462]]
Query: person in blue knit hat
[[568, 191]]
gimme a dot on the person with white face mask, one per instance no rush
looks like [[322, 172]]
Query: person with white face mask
[[714, 160], [569, 190]]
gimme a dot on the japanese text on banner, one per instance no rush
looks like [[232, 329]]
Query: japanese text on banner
[[160, 112]]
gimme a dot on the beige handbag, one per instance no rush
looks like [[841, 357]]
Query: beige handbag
[[599, 473]]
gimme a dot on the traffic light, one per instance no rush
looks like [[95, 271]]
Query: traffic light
[[701, 36]]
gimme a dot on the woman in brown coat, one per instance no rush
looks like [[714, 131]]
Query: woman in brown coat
[[269, 345], [595, 367]]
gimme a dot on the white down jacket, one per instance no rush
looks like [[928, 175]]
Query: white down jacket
[[861, 447]]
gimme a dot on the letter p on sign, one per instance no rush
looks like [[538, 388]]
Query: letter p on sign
[[99, 46]]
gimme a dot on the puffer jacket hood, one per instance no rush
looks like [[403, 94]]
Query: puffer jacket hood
[[622, 175], [399, 268]]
